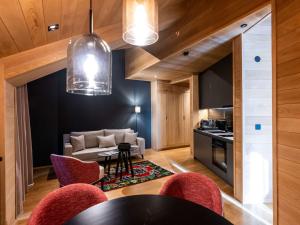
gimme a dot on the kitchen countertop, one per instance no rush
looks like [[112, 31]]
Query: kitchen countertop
[[215, 135]]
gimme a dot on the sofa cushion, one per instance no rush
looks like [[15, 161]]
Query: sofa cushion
[[119, 134], [90, 137], [77, 143], [130, 138], [107, 141]]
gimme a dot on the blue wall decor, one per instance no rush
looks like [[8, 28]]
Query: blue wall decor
[[257, 58], [257, 126], [54, 112]]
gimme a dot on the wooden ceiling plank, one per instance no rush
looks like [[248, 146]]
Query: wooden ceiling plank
[[12, 16], [170, 11], [52, 15], [108, 12], [41, 61], [67, 18], [81, 19], [217, 15], [7, 44], [33, 14]]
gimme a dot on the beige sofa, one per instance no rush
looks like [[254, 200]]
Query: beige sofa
[[92, 149]]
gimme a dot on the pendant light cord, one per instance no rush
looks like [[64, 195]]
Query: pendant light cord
[[91, 17]]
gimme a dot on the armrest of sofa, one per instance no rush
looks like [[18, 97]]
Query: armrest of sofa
[[68, 149], [141, 144]]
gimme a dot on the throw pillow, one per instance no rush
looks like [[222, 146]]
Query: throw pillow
[[119, 135], [77, 143], [107, 141], [130, 138]]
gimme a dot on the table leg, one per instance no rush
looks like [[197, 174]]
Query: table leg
[[118, 162], [126, 161], [130, 163], [121, 166], [104, 164], [109, 162]]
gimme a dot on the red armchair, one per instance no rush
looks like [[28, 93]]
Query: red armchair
[[64, 203], [70, 170], [196, 188]]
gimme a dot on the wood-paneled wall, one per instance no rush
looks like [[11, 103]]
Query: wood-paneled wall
[[7, 146], [237, 118], [286, 59], [257, 109]]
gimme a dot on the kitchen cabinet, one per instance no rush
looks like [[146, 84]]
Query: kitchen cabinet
[[202, 148], [170, 115], [215, 85]]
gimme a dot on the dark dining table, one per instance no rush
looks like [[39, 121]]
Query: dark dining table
[[147, 210]]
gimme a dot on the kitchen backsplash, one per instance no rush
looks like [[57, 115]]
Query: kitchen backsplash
[[217, 114]]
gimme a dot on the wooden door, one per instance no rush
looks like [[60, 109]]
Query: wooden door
[[186, 118], [162, 120], [173, 138]]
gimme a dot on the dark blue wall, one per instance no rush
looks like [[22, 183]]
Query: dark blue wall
[[54, 112]]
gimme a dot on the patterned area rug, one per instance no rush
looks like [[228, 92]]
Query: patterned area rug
[[143, 171]]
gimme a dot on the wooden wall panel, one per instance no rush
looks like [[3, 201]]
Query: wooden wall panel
[[286, 60], [7, 150], [2, 147], [194, 108], [238, 120]]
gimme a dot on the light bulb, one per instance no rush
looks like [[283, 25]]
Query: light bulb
[[140, 27], [91, 68]]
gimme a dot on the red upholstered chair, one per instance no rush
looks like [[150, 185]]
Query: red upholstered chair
[[64, 203], [70, 170], [196, 188]]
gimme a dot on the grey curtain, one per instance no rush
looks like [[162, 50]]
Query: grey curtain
[[24, 164]]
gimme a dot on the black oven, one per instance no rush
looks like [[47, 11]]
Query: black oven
[[219, 154]]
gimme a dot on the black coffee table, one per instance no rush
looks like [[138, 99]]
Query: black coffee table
[[107, 159], [148, 210]]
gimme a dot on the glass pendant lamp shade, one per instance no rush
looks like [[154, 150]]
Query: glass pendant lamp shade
[[140, 22], [89, 66]]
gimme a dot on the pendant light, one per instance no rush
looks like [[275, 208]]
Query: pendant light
[[140, 22], [89, 64]]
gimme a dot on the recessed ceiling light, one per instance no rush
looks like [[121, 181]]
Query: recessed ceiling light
[[186, 53], [244, 25], [53, 27]]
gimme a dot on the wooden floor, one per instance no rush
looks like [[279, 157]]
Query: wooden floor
[[177, 160]]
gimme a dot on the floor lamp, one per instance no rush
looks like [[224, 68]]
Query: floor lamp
[[137, 110]]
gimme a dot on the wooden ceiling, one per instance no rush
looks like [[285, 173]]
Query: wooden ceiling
[[24, 23], [202, 27], [203, 51]]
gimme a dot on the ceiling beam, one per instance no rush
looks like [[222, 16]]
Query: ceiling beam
[[203, 18], [210, 48], [181, 79], [136, 60], [35, 63]]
